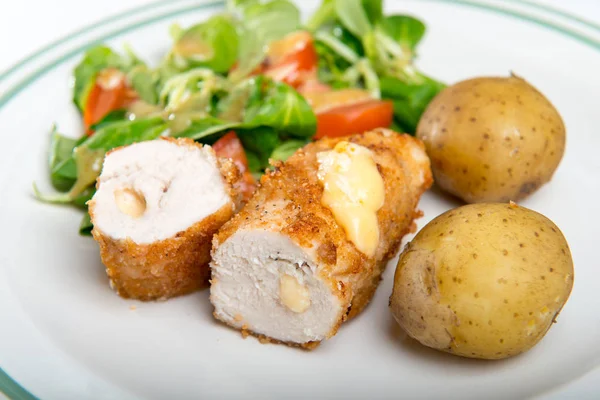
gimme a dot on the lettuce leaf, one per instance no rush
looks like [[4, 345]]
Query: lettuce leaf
[[259, 24], [212, 44]]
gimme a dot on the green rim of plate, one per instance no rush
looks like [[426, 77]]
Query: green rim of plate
[[12, 389], [557, 12], [8, 386], [50, 46]]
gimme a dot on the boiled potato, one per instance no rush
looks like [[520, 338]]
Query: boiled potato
[[483, 281], [492, 139]]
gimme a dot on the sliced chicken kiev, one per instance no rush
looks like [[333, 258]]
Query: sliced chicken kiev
[[308, 250], [157, 207]]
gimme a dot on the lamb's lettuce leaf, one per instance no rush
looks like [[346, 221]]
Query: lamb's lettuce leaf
[[206, 130], [86, 226], [410, 99], [353, 15], [61, 149], [260, 23], [212, 44], [285, 150], [279, 106], [145, 82]]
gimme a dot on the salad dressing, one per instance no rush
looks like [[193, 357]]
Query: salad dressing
[[191, 47], [140, 109], [89, 165], [323, 101]]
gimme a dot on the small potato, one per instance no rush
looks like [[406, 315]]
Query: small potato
[[483, 281], [492, 139]]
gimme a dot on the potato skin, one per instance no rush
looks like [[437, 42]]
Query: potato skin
[[483, 281], [492, 139]]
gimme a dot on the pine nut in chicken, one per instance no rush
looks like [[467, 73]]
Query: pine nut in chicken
[[130, 202]]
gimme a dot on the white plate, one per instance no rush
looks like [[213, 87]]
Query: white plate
[[64, 334]]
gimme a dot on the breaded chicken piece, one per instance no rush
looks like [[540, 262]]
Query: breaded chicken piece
[[285, 269], [157, 206]]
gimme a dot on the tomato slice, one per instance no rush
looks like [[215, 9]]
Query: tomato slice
[[109, 93], [354, 118], [293, 59], [230, 146]]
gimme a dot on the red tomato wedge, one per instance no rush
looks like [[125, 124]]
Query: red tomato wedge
[[230, 146], [293, 59], [354, 118], [109, 93]]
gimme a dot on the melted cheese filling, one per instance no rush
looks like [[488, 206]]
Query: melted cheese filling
[[354, 192]]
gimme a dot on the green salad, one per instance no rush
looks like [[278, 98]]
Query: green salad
[[254, 77]]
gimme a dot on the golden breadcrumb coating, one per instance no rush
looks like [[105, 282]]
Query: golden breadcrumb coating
[[351, 275]]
